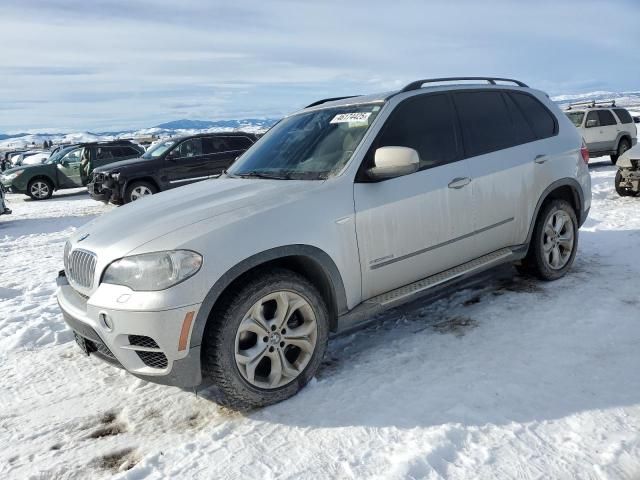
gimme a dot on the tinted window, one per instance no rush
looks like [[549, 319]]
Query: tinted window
[[486, 124], [129, 152], [522, 131], [606, 118], [541, 120], [592, 116], [425, 123], [623, 115], [105, 153], [238, 143], [189, 148], [214, 145]]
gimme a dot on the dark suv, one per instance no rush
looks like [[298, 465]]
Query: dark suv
[[168, 164], [69, 167]]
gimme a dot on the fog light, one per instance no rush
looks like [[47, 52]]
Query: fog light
[[105, 321]]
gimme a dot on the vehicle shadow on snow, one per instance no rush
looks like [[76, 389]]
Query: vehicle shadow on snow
[[513, 349]]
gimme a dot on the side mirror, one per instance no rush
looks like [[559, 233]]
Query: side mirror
[[591, 123], [172, 155], [391, 162]]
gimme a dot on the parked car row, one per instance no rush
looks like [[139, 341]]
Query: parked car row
[[348, 207]]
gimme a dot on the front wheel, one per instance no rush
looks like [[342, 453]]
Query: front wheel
[[623, 146], [266, 341], [137, 190], [554, 241], [40, 189]]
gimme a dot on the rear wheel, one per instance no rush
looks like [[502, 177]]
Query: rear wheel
[[554, 242], [267, 341], [623, 146], [139, 189], [40, 188], [622, 190]]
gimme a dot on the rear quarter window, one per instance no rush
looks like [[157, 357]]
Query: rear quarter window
[[540, 118], [606, 118], [623, 115]]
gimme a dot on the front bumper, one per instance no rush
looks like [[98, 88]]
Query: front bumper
[[104, 188], [152, 345]]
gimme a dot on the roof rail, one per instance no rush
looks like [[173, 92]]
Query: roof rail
[[325, 100], [593, 104], [491, 80]]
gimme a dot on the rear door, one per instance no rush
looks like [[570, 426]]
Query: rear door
[[609, 128], [186, 163], [417, 225], [497, 142]]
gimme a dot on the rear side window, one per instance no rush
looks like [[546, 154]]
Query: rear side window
[[486, 123], [425, 123], [623, 115], [606, 118], [541, 120], [214, 145], [522, 130], [238, 143]]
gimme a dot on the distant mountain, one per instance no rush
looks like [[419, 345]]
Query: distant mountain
[[186, 124]]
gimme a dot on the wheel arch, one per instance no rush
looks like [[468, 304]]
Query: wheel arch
[[306, 260], [565, 189], [145, 178]]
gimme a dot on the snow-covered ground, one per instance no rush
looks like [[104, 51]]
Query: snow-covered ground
[[517, 379]]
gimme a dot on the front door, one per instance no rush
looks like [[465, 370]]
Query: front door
[[417, 225], [186, 163], [69, 174]]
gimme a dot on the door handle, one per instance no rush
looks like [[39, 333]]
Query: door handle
[[459, 182], [540, 159]]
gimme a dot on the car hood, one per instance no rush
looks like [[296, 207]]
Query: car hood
[[128, 227], [121, 164], [625, 159], [25, 167]]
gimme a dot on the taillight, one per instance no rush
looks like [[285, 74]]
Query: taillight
[[584, 152]]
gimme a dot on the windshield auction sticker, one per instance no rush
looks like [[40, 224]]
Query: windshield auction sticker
[[351, 117]]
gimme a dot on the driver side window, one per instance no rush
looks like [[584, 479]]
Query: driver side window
[[72, 157], [189, 148]]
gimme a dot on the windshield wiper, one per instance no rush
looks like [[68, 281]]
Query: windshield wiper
[[270, 176]]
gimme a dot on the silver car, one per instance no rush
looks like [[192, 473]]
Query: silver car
[[341, 210]]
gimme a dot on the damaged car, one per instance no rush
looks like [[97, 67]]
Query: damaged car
[[627, 180], [168, 164]]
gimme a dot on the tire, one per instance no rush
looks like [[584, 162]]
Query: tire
[[545, 249], [232, 339], [40, 188], [623, 146], [622, 191], [139, 189]]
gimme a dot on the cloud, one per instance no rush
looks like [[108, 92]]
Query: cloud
[[111, 64]]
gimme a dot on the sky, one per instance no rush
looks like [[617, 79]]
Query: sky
[[105, 65]]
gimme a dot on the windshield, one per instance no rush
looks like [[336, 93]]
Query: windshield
[[308, 146], [158, 149], [576, 117]]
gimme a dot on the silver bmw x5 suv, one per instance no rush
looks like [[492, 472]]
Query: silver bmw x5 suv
[[346, 208]]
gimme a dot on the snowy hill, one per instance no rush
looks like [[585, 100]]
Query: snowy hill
[[185, 124]]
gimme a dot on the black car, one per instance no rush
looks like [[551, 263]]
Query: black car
[[168, 164]]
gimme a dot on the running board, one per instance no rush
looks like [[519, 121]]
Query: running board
[[365, 312]]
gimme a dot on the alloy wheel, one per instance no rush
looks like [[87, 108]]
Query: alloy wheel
[[39, 189], [139, 192], [558, 240], [276, 340]]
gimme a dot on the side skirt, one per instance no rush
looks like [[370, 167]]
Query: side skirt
[[427, 287]]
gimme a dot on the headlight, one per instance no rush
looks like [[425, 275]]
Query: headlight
[[11, 176], [153, 271]]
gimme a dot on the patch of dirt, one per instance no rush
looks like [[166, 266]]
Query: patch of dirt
[[518, 284], [472, 301], [108, 431], [457, 326], [119, 461]]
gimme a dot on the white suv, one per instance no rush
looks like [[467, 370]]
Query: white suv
[[606, 130], [341, 210]]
